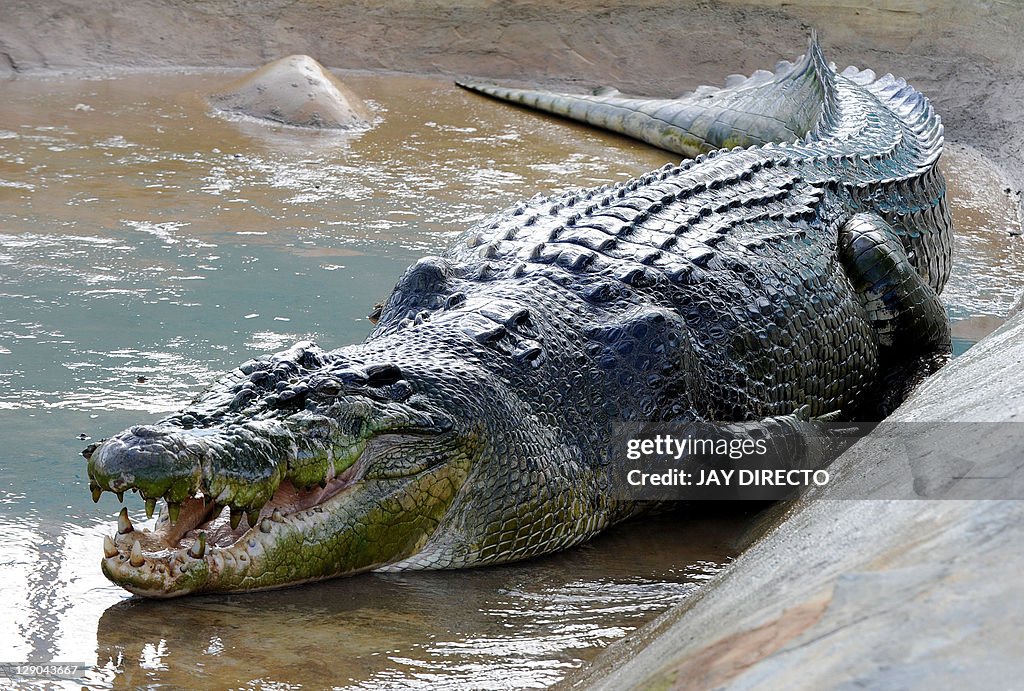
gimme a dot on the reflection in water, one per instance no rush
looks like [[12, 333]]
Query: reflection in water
[[49, 590], [18, 569], [518, 626], [146, 246]]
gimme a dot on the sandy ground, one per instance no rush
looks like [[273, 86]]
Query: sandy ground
[[965, 55]]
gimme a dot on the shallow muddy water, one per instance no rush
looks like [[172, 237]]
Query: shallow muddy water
[[146, 246]]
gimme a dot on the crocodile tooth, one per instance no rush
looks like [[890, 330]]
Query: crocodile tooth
[[277, 516], [109, 548], [198, 548], [96, 492], [236, 517], [252, 517], [136, 559], [150, 507], [124, 524], [120, 496], [173, 509], [265, 525]]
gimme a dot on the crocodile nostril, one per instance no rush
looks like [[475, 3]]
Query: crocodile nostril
[[311, 358]]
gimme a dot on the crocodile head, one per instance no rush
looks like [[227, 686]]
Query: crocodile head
[[296, 467]]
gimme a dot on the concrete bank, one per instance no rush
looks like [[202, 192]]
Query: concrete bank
[[861, 587]]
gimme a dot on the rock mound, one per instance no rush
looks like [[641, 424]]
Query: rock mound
[[297, 91]]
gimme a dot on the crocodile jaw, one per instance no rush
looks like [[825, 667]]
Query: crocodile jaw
[[362, 524]]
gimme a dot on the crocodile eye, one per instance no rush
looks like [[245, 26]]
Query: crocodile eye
[[378, 376]]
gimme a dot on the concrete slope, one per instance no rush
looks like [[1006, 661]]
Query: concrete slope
[[862, 586]]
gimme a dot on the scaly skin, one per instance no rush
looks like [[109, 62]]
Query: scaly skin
[[473, 425]]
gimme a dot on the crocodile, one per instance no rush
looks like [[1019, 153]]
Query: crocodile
[[783, 274]]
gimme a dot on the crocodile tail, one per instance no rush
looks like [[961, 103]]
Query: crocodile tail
[[780, 106], [913, 108]]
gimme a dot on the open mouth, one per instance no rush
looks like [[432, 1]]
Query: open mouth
[[372, 512], [198, 539], [201, 524]]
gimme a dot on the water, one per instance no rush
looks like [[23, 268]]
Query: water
[[517, 626], [146, 246], [988, 253]]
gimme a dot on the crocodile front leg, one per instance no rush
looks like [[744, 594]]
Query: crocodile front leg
[[911, 323], [903, 308]]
